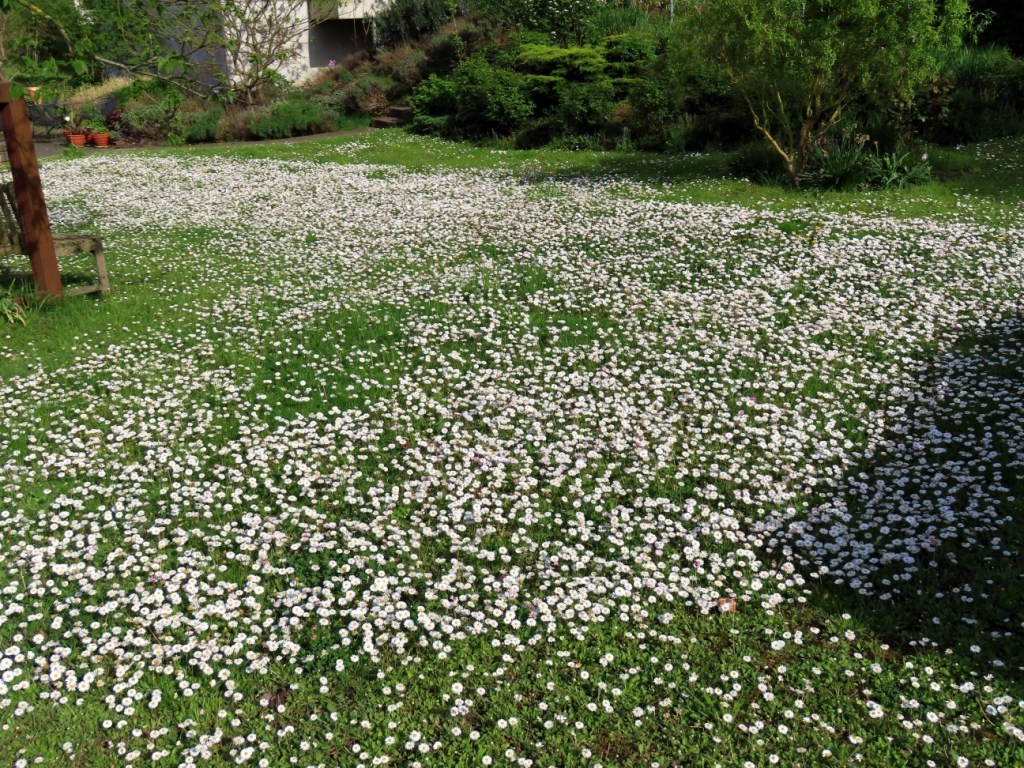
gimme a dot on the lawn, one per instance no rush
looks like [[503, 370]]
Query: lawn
[[386, 451]]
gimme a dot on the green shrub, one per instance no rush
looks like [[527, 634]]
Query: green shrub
[[491, 100], [678, 135], [889, 170], [370, 94], [446, 49], [154, 121], [583, 108], [978, 96], [403, 20], [290, 118], [566, 21], [200, 127], [477, 100], [329, 80], [839, 165], [610, 19], [537, 133], [618, 93], [581, 64], [333, 101], [848, 164], [628, 55], [434, 104], [405, 65], [653, 115]]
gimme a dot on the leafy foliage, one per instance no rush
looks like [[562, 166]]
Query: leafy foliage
[[543, 92], [978, 95], [253, 38], [478, 100], [12, 309], [579, 64], [799, 64], [566, 21], [369, 94], [290, 118], [201, 127], [850, 163], [403, 20], [152, 120]]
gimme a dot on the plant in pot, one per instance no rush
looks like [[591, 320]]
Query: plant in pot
[[74, 131], [99, 134]]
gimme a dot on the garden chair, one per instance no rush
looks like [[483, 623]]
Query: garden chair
[[48, 116], [12, 241]]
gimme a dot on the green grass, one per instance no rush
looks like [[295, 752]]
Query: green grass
[[678, 685]]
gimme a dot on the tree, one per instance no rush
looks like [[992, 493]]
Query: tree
[[257, 38], [243, 42], [798, 64]]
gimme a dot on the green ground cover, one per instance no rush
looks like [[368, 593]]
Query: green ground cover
[[391, 451]]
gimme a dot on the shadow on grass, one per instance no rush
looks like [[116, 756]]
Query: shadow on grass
[[18, 282], [924, 540], [992, 169]]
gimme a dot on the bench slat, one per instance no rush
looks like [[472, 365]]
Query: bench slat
[[66, 244]]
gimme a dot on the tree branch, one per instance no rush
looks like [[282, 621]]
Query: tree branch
[[176, 81], [33, 8]]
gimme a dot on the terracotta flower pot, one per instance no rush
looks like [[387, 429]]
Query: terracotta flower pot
[[100, 139], [78, 139]]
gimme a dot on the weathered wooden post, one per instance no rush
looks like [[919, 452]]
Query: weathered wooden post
[[28, 188]]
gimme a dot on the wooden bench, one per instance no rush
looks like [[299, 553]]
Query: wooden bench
[[12, 242]]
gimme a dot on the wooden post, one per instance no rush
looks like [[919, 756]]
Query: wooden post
[[28, 189]]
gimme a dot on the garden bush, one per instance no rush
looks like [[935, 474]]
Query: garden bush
[[849, 162], [200, 127], [404, 64], [370, 94], [153, 120], [566, 21], [583, 108], [978, 96], [839, 165], [491, 101], [403, 20], [580, 64], [478, 100], [889, 170], [234, 124], [291, 118], [456, 41], [540, 92], [434, 104], [623, 90], [628, 55], [654, 113], [333, 101], [610, 19]]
